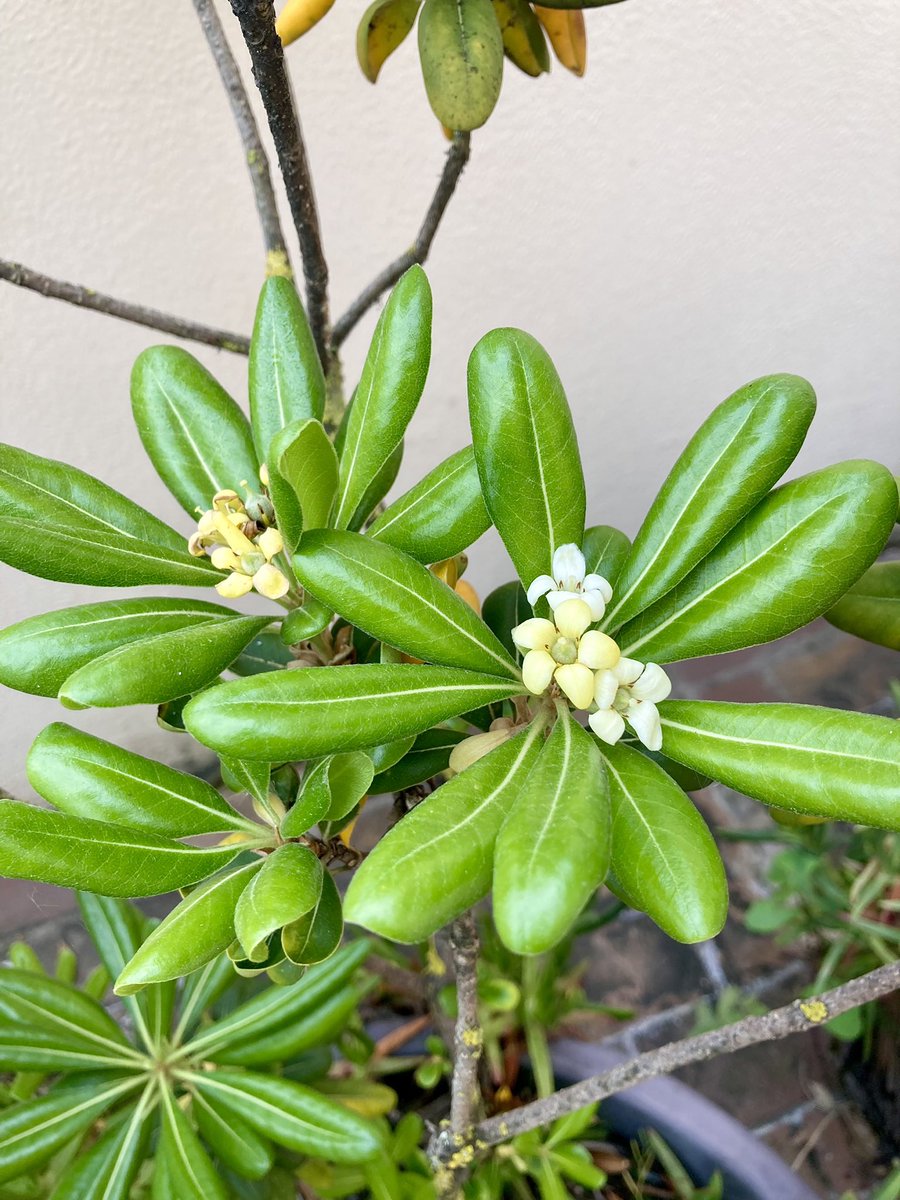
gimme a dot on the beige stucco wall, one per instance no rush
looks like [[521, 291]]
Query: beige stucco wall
[[717, 199]]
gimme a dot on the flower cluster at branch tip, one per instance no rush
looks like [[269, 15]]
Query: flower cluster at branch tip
[[239, 537], [584, 664]]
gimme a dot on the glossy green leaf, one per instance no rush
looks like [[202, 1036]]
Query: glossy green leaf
[[429, 756], [381, 484], [195, 931], [292, 1115], [57, 522], [31, 1133], [503, 609], [86, 776], [306, 622], [397, 600], [252, 778], [605, 551], [398, 891], [738, 454], [162, 667], [117, 930], [46, 1025], [784, 565], [389, 390], [314, 1029], [303, 478], [38, 654], [271, 954], [664, 860], [441, 516], [195, 435], [276, 1008], [388, 753], [840, 765], [191, 1173], [201, 990], [461, 51], [871, 609], [265, 653], [313, 800], [285, 376], [526, 449], [553, 849], [295, 715], [687, 780], [235, 1143], [109, 1168], [109, 859], [287, 887], [349, 780], [316, 935]]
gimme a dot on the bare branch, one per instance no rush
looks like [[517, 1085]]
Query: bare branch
[[257, 21], [84, 297], [452, 1146], [277, 260], [457, 157], [780, 1023]]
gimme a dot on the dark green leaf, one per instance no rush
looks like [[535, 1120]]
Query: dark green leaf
[[664, 860], [286, 888], [86, 776], [195, 435], [840, 765], [292, 1115], [605, 552], [461, 51], [294, 715], [316, 936], [784, 565], [389, 390], [303, 478], [439, 517], [397, 600], [740, 451], [265, 653], [553, 849], [871, 609], [108, 859], [302, 624], [109, 1168], [57, 522], [196, 931], [429, 756], [236, 1144], [162, 667], [398, 892], [191, 1174], [286, 380], [505, 608], [526, 449], [381, 484]]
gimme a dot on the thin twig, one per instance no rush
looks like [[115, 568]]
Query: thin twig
[[457, 157], [277, 260], [780, 1023], [452, 1146], [257, 21], [139, 314]]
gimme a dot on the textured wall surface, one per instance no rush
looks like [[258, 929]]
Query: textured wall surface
[[714, 201]]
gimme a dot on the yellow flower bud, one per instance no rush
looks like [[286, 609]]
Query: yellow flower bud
[[270, 582], [234, 586], [224, 559], [270, 542]]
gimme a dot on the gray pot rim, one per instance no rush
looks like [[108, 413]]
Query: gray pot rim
[[704, 1137]]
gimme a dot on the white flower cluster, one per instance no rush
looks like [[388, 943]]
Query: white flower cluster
[[233, 540], [585, 664]]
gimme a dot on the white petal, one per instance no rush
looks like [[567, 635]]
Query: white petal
[[556, 598], [568, 565], [605, 687], [598, 583], [596, 603], [598, 651], [607, 725], [654, 684], [537, 671], [537, 633], [572, 618], [540, 587], [628, 670], [643, 718], [577, 682]]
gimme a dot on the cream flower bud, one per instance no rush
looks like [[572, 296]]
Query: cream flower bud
[[224, 559], [577, 681], [537, 671], [270, 582], [535, 634], [477, 746], [270, 542], [572, 618], [607, 724], [598, 651], [234, 586]]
